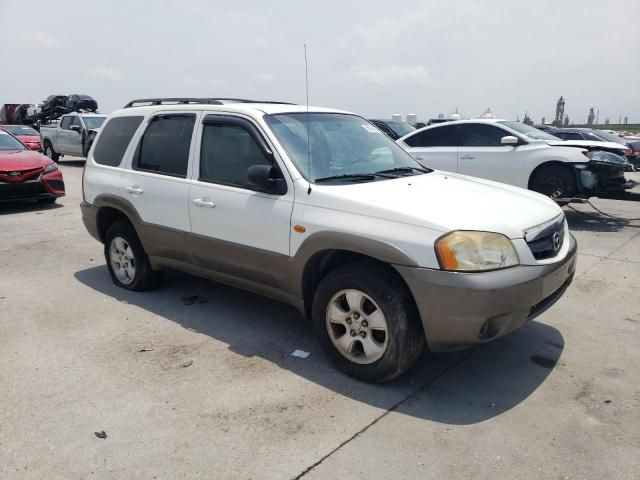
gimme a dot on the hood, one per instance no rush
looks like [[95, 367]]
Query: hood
[[589, 144], [443, 202], [17, 160]]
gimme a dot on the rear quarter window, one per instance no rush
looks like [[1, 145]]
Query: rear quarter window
[[114, 140]]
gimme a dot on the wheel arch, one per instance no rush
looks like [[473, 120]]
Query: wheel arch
[[322, 253], [551, 163], [112, 209]]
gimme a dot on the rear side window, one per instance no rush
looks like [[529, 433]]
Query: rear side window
[[433, 137], [164, 147], [114, 139], [480, 135], [228, 150]]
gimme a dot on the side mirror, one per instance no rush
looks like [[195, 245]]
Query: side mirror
[[76, 128], [267, 177], [509, 140]]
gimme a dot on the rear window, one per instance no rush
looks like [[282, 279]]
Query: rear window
[[114, 139]]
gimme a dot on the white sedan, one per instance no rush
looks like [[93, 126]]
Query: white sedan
[[517, 154]]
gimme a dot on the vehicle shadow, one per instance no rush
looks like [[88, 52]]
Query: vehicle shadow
[[73, 162], [593, 221], [21, 206], [447, 388]]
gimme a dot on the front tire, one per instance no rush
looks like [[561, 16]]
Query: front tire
[[367, 322], [554, 181], [126, 259]]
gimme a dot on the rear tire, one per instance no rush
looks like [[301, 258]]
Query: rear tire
[[126, 259], [50, 152], [554, 181], [384, 347]]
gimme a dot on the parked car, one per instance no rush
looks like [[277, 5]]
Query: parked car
[[320, 209], [25, 174], [517, 154], [393, 129], [7, 113], [72, 134], [595, 136], [545, 128], [78, 102], [635, 149], [53, 105], [27, 135]]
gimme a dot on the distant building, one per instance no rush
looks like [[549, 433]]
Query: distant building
[[488, 114], [412, 118], [396, 117], [566, 120], [591, 117], [559, 112]]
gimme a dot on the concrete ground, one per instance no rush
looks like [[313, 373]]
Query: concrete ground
[[196, 379]]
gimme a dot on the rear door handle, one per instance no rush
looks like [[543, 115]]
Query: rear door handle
[[135, 190], [204, 202], [467, 157]]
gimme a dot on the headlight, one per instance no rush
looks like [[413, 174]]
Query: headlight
[[51, 168], [467, 251]]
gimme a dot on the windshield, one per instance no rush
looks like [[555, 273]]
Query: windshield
[[93, 122], [20, 130], [528, 131], [7, 142], [339, 145], [401, 128], [609, 137]]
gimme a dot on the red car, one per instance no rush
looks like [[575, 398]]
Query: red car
[[27, 135], [25, 174]]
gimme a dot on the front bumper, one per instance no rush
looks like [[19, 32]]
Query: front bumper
[[49, 185], [462, 309]]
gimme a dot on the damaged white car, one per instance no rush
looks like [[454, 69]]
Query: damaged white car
[[517, 154]]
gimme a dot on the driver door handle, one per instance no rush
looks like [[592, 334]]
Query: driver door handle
[[467, 157], [203, 202]]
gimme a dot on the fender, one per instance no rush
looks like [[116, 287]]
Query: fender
[[325, 241]]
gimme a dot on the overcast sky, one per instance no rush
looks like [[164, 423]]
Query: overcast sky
[[371, 57]]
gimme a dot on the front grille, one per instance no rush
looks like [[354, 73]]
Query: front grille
[[21, 190], [546, 240], [19, 176]]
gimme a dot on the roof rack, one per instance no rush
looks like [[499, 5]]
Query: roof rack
[[145, 102]]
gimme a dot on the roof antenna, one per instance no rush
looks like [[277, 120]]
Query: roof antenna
[[306, 85]]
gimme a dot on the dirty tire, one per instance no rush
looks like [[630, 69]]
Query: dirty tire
[[553, 179], [145, 277], [406, 340]]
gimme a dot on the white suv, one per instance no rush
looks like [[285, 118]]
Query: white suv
[[320, 209], [520, 155]]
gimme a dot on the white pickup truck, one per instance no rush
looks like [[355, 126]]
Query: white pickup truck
[[72, 134]]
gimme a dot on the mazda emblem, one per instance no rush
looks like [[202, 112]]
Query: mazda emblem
[[556, 241], [15, 174]]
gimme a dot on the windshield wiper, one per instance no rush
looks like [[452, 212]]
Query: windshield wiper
[[404, 170], [349, 176]]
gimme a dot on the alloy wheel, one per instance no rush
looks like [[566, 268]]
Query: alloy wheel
[[357, 326], [123, 262]]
